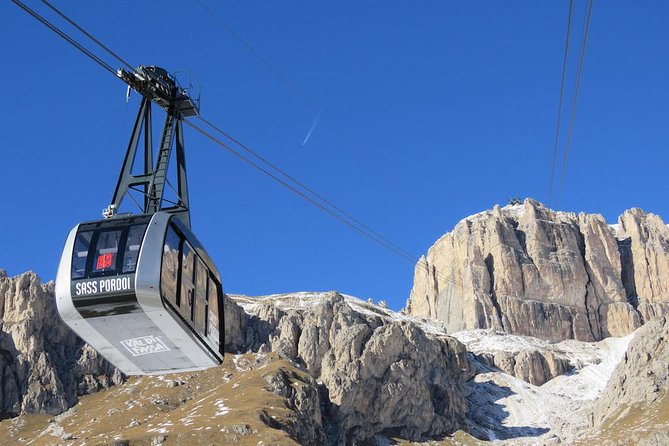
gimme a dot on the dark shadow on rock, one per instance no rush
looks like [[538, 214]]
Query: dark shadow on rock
[[487, 416], [258, 333], [627, 271]]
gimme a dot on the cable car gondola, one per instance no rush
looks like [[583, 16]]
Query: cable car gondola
[[141, 289]]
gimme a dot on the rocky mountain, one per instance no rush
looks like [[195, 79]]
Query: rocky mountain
[[43, 365], [379, 373], [329, 369], [529, 270], [343, 369], [507, 341]]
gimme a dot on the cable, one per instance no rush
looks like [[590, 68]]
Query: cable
[[295, 190], [347, 218], [344, 218], [304, 186], [67, 38], [311, 104], [291, 87], [264, 160], [87, 34], [570, 129], [559, 114], [375, 238]]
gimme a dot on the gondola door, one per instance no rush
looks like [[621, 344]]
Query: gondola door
[[187, 282]]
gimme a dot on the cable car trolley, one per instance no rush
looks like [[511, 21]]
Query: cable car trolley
[[141, 289]]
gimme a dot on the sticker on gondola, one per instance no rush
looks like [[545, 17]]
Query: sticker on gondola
[[144, 345]]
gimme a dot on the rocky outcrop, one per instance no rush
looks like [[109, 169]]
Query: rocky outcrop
[[644, 247], [529, 270], [301, 397], [533, 366], [641, 378], [234, 325], [378, 374], [43, 365], [530, 359]]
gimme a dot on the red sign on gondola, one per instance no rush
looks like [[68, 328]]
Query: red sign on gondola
[[104, 261]]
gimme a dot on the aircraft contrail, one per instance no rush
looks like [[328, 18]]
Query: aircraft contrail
[[313, 126]]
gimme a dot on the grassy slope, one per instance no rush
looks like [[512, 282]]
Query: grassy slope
[[217, 406], [223, 405], [632, 424]]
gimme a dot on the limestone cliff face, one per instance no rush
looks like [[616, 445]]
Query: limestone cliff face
[[234, 325], [529, 270], [43, 365], [644, 247], [378, 373]]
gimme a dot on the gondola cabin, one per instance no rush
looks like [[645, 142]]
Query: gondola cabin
[[144, 293], [141, 289]]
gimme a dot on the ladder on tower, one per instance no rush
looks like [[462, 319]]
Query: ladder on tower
[[157, 187], [156, 85]]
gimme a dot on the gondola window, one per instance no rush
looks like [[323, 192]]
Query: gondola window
[[132, 245], [170, 268], [81, 246]]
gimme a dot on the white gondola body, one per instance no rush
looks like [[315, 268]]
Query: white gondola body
[[144, 333]]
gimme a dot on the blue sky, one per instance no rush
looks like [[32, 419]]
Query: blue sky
[[429, 112]]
